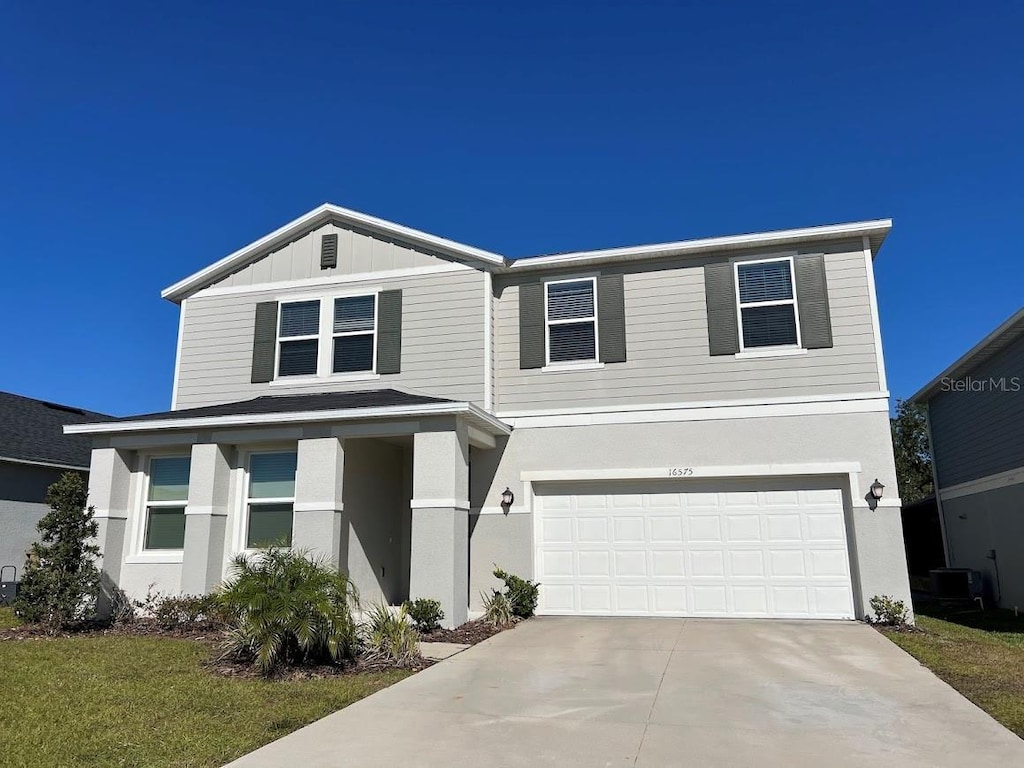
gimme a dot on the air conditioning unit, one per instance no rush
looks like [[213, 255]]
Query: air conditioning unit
[[956, 583], [8, 584]]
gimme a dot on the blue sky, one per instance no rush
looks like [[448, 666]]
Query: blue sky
[[137, 146]]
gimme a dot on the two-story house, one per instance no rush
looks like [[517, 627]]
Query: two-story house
[[682, 429]]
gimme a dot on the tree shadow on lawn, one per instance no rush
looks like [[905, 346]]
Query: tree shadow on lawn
[[967, 614]]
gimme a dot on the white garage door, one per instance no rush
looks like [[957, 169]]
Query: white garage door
[[737, 548]]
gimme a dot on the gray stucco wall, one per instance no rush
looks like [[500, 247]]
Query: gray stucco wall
[[981, 523], [22, 493], [980, 432], [878, 561]]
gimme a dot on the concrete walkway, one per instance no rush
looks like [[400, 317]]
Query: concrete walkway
[[661, 692]]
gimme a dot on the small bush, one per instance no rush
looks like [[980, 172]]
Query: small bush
[[197, 612], [426, 614], [286, 609], [61, 583], [498, 609], [522, 594], [390, 637], [889, 612]]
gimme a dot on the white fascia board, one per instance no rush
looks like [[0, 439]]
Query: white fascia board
[[963, 363], [248, 420], [877, 228], [322, 215]]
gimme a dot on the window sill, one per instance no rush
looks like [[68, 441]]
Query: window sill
[[755, 353], [319, 381], [153, 558], [586, 365]]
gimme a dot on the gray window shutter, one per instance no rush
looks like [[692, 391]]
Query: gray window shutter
[[720, 292], [532, 346], [812, 301], [329, 251], [264, 342], [389, 332], [611, 319]]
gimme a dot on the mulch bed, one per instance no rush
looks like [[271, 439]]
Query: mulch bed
[[141, 628], [470, 633]]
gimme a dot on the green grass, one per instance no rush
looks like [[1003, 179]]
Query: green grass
[[7, 618], [981, 654], [135, 701]]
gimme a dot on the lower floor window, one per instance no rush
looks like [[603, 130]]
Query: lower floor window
[[271, 499], [166, 497]]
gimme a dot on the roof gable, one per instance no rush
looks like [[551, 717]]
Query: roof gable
[[423, 246]]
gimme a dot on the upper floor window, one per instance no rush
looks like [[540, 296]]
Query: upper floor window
[[299, 339], [355, 333], [571, 320], [166, 498], [270, 499], [349, 346], [767, 304]]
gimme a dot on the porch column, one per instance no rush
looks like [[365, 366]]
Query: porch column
[[319, 512], [109, 482], [439, 558], [206, 513]]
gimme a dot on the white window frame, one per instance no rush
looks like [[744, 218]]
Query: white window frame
[[140, 479], [373, 333], [243, 517], [590, 362], [325, 339], [740, 306], [308, 337]]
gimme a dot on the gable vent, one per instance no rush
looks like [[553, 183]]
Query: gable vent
[[329, 251]]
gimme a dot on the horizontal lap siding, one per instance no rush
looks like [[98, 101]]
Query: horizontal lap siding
[[667, 348], [981, 433], [442, 342]]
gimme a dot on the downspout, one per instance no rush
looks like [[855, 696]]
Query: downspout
[[488, 342], [935, 485]]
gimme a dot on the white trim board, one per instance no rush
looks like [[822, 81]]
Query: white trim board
[[692, 473], [703, 413], [177, 354], [327, 282], [876, 326], [31, 463], [983, 484]]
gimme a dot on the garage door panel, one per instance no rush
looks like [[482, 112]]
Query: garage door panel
[[748, 548]]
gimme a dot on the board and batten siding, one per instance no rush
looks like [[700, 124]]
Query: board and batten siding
[[981, 432], [442, 340], [358, 253], [668, 359]]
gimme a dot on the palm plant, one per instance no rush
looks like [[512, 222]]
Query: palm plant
[[389, 636], [286, 608], [498, 609]]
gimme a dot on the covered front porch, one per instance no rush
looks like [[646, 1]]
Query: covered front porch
[[376, 483]]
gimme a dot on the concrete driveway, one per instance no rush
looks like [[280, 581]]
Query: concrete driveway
[[661, 692]]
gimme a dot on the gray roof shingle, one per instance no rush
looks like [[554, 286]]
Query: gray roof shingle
[[32, 430]]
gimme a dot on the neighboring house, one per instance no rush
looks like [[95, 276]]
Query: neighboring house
[[34, 453], [684, 429], [976, 421]]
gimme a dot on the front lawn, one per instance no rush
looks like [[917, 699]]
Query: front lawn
[[148, 701], [981, 654]]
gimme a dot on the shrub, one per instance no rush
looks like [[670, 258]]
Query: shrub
[[183, 611], [426, 614], [889, 612], [285, 609], [61, 582], [498, 609], [522, 594], [390, 637]]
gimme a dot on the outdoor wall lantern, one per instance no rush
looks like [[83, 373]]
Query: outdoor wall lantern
[[876, 490], [507, 497]]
